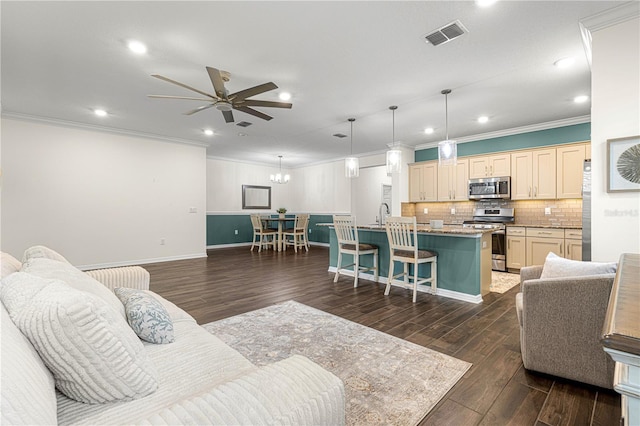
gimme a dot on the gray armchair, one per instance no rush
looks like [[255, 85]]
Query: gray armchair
[[561, 322]]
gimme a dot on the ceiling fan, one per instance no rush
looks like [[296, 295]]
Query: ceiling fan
[[224, 101]]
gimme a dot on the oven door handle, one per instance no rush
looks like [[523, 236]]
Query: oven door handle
[[498, 232]]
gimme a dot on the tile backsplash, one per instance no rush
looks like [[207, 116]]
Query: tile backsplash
[[564, 213]]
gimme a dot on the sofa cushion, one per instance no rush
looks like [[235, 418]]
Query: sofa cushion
[[42, 252], [559, 267], [9, 264], [146, 316], [27, 388], [52, 269], [93, 354]]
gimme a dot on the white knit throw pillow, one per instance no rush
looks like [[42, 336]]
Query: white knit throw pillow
[[93, 354]]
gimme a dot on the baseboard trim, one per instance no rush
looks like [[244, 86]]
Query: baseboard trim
[[422, 289], [141, 261], [220, 246]]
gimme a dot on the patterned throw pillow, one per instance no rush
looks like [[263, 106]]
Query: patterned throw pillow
[[93, 355], [147, 317]]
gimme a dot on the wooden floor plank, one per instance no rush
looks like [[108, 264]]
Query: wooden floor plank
[[496, 390]]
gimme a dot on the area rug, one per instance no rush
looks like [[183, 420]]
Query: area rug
[[387, 380], [503, 281]]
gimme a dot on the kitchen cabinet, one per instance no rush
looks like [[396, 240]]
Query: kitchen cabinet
[[534, 174], [490, 166], [453, 180], [570, 161], [423, 182], [541, 241], [573, 244], [516, 247]]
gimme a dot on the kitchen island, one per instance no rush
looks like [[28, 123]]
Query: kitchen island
[[464, 258]]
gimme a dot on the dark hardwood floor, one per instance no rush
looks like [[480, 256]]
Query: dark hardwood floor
[[495, 391]]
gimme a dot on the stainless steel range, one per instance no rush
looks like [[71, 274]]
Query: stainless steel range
[[496, 218]]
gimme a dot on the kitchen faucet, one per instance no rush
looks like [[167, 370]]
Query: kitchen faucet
[[383, 211]]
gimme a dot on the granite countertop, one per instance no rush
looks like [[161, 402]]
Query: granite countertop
[[527, 225], [426, 229]]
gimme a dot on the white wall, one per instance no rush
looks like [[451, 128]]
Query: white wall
[[367, 193], [615, 113], [100, 198]]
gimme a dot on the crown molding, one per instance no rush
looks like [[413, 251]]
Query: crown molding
[[113, 130], [606, 19], [514, 131]]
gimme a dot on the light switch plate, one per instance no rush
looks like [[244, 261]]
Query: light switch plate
[[453, 210], [547, 210]]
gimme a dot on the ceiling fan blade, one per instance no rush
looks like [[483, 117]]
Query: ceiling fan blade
[[252, 91], [228, 116], [183, 85], [257, 103], [218, 82], [200, 108], [179, 97], [253, 112]]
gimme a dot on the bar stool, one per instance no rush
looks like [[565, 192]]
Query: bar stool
[[348, 243], [403, 247], [298, 233], [261, 235]]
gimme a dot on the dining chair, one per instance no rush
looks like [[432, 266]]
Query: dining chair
[[403, 247], [261, 235], [298, 233], [348, 243]]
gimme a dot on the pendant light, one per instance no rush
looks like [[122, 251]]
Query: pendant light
[[394, 155], [351, 163], [447, 149], [279, 177]]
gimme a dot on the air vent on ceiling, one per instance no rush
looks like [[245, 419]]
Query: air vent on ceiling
[[340, 135], [445, 34], [244, 124]]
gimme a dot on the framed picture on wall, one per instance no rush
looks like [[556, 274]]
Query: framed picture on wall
[[623, 164]]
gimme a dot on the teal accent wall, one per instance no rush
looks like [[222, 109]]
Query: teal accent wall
[[458, 258], [221, 228], [539, 138]]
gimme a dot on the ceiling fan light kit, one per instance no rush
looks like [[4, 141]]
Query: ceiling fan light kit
[[447, 149], [351, 163], [279, 177], [225, 102], [394, 155]]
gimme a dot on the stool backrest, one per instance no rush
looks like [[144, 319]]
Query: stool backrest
[[402, 233], [345, 227], [256, 222], [302, 222]]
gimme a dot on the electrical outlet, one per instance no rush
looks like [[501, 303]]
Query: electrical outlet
[[193, 210], [425, 210], [235, 232], [547, 210], [309, 230], [162, 241], [453, 210]]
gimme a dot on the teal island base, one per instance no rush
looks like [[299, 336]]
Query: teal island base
[[464, 260]]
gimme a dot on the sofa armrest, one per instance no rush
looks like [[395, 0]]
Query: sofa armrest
[[562, 320], [128, 276], [294, 391], [529, 273]]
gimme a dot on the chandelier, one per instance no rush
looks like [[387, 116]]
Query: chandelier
[[279, 177]]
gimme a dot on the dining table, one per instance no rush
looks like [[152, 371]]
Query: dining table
[[280, 221]]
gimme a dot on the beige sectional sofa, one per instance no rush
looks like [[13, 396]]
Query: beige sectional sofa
[[198, 378]]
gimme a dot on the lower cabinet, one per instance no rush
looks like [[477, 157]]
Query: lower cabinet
[[528, 246]]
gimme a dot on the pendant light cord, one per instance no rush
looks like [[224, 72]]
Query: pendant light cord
[[351, 120], [393, 109], [446, 92]]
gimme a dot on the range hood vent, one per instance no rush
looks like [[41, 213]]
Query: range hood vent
[[445, 34]]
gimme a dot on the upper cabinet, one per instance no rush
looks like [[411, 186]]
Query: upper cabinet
[[490, 166], [570, 160], [423, 182], [534, 174], [453, 181]]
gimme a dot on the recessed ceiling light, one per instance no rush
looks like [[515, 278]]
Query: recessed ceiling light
[[242, 134], [580, 99], [428, 130], [485, 3], [564, 62], [208, 132], [137, 47], [100, 112], [483, 119], [285, 96]]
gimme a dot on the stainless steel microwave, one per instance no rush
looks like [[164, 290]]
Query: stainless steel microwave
[[494, 187]]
